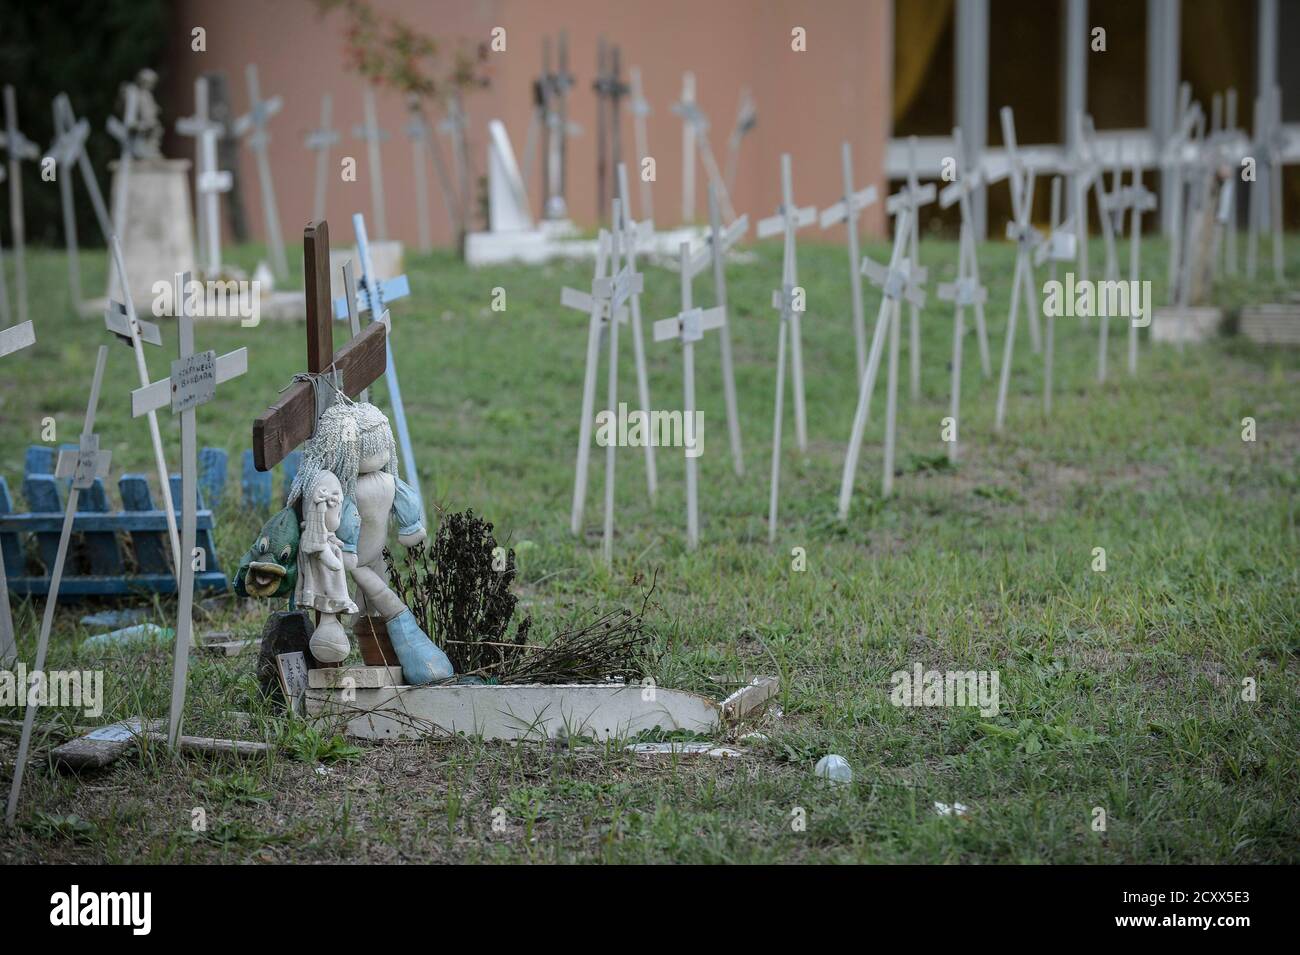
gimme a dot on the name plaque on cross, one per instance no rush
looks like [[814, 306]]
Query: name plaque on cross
[[194, 380]]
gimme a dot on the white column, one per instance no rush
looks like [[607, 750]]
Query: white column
[[972, 93], [1164, 24], [1074, 81]]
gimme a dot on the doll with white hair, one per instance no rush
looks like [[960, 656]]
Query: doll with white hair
[[354, 443]]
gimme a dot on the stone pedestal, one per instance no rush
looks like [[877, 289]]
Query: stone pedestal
[[1186, 323], [157, 233]]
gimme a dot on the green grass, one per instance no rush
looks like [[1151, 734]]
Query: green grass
[[1119, 689]]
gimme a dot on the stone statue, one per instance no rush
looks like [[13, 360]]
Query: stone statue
[[145, 130]]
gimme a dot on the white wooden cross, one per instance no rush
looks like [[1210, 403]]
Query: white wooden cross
[[1174, 160], [1027, 238], [615, 290], [720, 242], [1110, 211], [373, 136], [846, 211], [694, 117], [17, 147], [253, 124], [373, 296], [746, 119], [1266, 195], [633, 233], [12, 339], [1138, 199], [121, 319], [194, 379], [70, 147], [1058, 246], [69, 143], [603, 314], [788, 220], [967, 289], [4, 289], [688, 149], [319, 140], [455, 125], [688, 326], [83, 465], [970, 179], [640, 108], [897, 280], [417, 131], [209, 179], [714, 251], [913, 196]]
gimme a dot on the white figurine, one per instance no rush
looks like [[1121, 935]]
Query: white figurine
[[322, 580]]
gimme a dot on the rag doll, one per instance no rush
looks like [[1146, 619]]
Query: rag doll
[[354, 441]]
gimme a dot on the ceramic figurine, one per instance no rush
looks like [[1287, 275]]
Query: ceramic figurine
[[322, 580]]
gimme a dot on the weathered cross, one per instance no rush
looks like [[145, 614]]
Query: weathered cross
[[292, 419], [970, 180], [746, 119], [1027, 238], [120, 319], [1060, 245], [1110, 210], [417, 131], [71, 147], [69, 143], [128, 136], [846, 210], [913, 196], [320, 140], [694, 117], [967, 290], [688, 326], [12, 339], [195, 377], [688, 149], [640, 107], [1266, 197], [455, 125], [714, 252], [84, 465], [720, 242], [1138, 199], [253, 124], [4, 289], [788, 220], [897, 280], [373, 296], [17, 147], [610, 88], [373, 136], [600, 313], [633, 234], [209, 180]]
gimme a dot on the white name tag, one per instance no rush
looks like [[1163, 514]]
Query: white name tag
[[194, 381]]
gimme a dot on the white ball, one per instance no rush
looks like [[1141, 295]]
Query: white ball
[[835, 768]]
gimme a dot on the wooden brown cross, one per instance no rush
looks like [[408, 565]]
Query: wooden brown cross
[[291, 420]]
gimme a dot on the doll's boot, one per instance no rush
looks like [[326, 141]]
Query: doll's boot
[[329, 641], [421, 661]]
